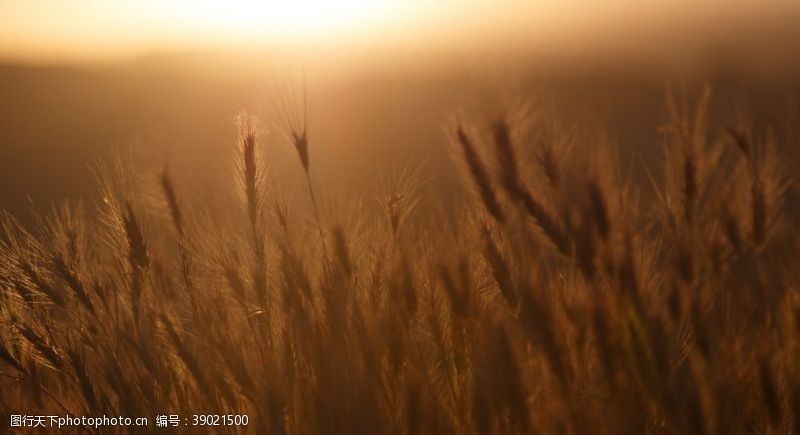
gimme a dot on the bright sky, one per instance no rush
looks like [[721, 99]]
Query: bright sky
[[85, 29]]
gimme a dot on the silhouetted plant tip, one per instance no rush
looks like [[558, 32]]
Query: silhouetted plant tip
[[479, 175]]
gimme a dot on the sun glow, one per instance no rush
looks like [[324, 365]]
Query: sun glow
[[291, 19]]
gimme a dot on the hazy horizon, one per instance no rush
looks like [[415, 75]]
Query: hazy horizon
[[670, 34]]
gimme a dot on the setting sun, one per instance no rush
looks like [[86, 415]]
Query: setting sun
[[293, 19], [114, 28]]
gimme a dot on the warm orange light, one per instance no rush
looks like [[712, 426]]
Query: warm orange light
[[294, 19], [68, 29]]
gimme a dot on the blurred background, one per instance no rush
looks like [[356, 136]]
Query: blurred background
[[79, 79]]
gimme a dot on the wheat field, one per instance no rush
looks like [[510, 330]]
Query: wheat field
[[561, 295]]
